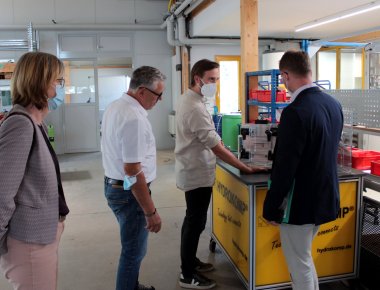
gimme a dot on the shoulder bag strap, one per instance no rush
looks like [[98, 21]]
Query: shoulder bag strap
[[27, 116]]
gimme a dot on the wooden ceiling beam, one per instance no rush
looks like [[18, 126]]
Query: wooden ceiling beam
[[365, 37], [201, 7]]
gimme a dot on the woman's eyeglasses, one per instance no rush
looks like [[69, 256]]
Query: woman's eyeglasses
[[61, 82]]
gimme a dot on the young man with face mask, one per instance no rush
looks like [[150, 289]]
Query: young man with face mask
[[197, 145]]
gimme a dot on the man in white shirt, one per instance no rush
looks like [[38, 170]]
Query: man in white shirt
[[197, 145], [129, 161]]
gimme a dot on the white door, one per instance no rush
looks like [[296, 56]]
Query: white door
[[81, 117]]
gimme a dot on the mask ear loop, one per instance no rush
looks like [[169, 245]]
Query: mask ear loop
[[200, 86], [136, 173]]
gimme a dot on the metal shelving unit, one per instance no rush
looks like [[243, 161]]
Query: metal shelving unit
[[271, 106]]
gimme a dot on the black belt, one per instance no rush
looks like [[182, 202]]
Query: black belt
[[117, 181], [113, 181]]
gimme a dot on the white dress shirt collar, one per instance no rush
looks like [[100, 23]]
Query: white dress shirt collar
[[299, 90], [134, 103]]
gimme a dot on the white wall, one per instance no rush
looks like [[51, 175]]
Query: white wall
[[151, 48], [206, 23]]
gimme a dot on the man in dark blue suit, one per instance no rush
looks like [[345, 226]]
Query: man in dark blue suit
[[304, 187]]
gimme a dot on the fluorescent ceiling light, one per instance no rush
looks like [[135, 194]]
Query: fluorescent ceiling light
[[338, 16]]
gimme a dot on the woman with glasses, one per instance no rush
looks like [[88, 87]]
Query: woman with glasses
[[32, 202]]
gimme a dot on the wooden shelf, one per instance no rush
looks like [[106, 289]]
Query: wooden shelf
[[7, 67], [6, 70]]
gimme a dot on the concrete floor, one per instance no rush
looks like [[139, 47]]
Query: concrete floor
[[90, 246]]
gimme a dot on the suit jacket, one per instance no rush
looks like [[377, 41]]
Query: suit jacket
[[306, 154], [28, 183]]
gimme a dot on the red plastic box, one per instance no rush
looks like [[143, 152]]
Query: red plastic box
[[375, 168], [265, 95], [361, 159]]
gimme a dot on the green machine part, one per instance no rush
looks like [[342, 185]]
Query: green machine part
[[51, 135], [230, 130]]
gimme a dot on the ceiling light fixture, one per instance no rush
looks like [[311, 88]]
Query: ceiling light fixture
[[339, 16]]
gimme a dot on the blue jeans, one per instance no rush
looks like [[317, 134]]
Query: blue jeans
[[133, 235]]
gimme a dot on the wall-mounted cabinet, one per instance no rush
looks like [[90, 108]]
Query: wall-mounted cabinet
[[93, 45], [70, 45]]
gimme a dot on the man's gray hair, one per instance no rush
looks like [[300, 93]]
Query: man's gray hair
[[146, 76]]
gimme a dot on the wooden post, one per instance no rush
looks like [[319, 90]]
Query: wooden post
[[249, 49], [363, 68], [185, 69], [338, 67]]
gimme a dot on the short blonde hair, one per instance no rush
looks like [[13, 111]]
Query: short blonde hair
[[33, 74]]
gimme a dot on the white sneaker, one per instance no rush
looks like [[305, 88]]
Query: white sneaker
[[197, 281]]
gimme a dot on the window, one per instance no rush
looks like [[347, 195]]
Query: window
[[343, 67], [227, 98]]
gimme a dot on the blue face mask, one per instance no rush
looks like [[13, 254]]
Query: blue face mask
[[59, 98], [130, 180]]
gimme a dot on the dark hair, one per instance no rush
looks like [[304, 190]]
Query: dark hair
[[33, 74], [200, 67], [146, 76], [297, 62]]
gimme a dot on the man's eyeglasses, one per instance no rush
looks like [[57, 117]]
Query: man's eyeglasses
[[153, 92], [61, 82]]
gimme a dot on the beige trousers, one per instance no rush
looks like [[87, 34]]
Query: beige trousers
[[32, 266], [296, 242]]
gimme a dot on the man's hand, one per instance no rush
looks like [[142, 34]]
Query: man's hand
[[254, 169], [153, 223], [273, 223]]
